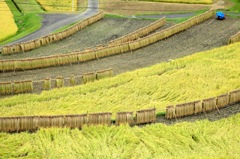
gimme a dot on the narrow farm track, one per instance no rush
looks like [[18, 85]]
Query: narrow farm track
[[204, 36]]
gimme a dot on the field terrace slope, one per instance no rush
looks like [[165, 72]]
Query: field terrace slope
[[198, 38], [202, 75], [200, 139]]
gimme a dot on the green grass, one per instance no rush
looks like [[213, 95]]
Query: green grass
[[201, 139], [13, 8], [191, 78], [236, 6], [28, 6]]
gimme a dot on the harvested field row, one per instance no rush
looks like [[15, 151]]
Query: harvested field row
[[99, 33], [202, 139], [204, 36]]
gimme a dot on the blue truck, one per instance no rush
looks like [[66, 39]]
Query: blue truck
[[220, 16]]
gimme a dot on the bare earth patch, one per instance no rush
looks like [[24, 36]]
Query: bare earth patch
[[204, 36]]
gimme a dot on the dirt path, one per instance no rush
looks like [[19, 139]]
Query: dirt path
[[204, 36]]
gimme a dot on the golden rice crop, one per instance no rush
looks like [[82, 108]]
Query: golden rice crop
[[8, 25], [56, 5], [199, 76], [201, 139]]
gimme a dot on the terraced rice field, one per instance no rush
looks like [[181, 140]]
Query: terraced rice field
[[202, 75], [8, 25], [199, 76], [55, 5], [201, 139], [204, 36], [28, 6]]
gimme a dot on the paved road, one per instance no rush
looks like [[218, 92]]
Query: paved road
[[51, 22]]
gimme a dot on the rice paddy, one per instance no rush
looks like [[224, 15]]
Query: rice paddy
[[8, 25], [202, 75], [55, 5], [201, 139], [28, 6]]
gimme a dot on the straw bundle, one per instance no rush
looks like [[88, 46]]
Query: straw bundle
[[73, 58], [86, 56], [28, 86], [124, 47], [105, 73], [62, 60], [198, 107], [57, 121], [47, 84], [43, 41], [170, 112], [134, 45], [178, 111], [8, 65], [146, 116], [99, 118], [188, 109], [16, 48], [139, 33], [113, 50], [25, 123], [5, 50], [6, 88], [124, 118], [75, 121], [9, 124], [144, 42], [22, 87], [209, 104], [72, 80], [35, 63], [49, 61], [4, 124], [22, 64], [44, 121], [101, 52], [8, 50], [89, 77], [17, 87], [235, 38], [37, 43], [59, 82], [222, 100], [234, 97]]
